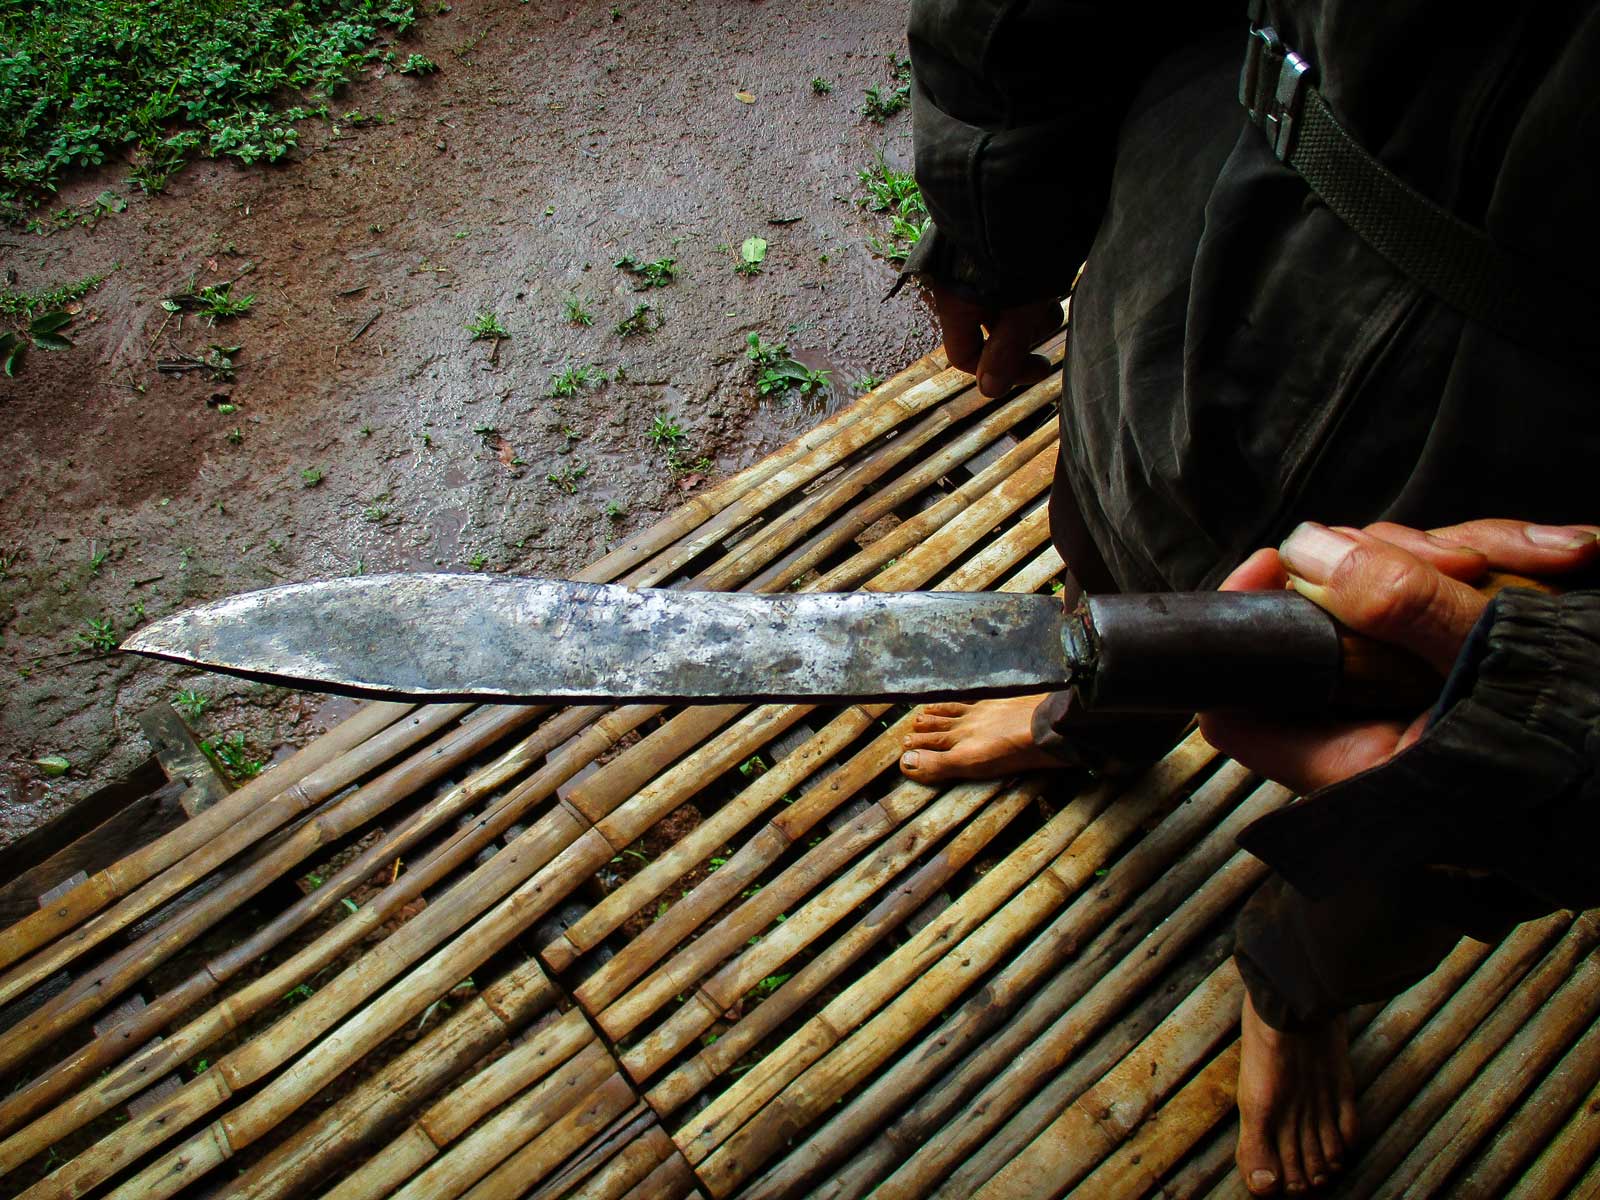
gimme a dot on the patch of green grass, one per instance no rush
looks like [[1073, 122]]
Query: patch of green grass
[[572, 380], [233, 757], [820, 86], [896, 195], [84, 82], [666, 432], [577, 314], [486, 327], [190, 703], [417, 64], [648, 275], [99, 634], [866, 383], [751, 255], [310, 476], [566, 479], [215, 301], [881, 103], [776, 372], [21, 303], [640, 321]]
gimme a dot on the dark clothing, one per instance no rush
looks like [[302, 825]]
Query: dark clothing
[[1490, 819], [1239, 361]]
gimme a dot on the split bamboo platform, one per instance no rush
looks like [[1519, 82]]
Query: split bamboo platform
[[725, 951]]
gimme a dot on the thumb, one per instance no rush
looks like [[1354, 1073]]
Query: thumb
[[1382, 591]]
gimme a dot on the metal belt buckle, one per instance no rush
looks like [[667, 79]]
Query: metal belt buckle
[[1272, 87]]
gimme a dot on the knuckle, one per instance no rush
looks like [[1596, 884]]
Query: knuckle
[[1387, 593]]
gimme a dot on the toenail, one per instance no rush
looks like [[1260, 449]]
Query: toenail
[[909, 760], [1319, 1180], [1262, 1179]]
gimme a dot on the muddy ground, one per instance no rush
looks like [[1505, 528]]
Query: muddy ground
[[368, 430]]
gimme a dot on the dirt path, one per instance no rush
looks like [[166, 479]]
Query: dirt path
[[368, 431]]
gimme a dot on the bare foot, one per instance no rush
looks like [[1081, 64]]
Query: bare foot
[[973, 741], [1297, 1111]]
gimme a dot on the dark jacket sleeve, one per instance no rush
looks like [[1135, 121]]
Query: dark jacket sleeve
[[1504, 780], [1015, 109]]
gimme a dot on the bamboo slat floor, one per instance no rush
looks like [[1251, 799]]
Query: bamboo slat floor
[[653, 952]]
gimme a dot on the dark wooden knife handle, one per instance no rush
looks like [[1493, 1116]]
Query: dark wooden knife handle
[[1266, 651]]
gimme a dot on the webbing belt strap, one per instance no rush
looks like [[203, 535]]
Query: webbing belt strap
[[1451, 259]]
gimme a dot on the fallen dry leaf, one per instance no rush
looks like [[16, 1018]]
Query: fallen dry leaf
[[744, 97]]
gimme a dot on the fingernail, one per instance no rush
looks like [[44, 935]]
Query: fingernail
[[909, 760], [1262, 1179], [1558, 537], [1313, 551]]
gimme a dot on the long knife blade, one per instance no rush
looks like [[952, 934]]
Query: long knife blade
[[433, 637]]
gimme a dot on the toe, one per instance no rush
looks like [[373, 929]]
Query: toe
[[945, 708], [1256, 1158], [924, 766], [1288, 1139], [1312, 1160], [927, 720], [927, 741], [1328, 1135]]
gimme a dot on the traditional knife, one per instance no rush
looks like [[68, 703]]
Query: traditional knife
[[507, 639]]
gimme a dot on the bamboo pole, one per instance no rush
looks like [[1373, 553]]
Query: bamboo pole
[[802, 518], [1501, 1083], [823, 543], [943, 971], [868, 427], [364, 1115], [273, 860], [345, 1045], [1535, 1122], [672, 1180], [966, 1055], [915, 545], [714, 831], [886, 916], [857, 1176], [156, 1059], [1097, 1121], [859, 834], [528, 1115], [638, 547], [552, 1042], [546, 1152], [613, 1163], [252, 1061], [126, 874], [1552, 1174], [719, 990], [244, 832], [791, 824], [1139, 1161]]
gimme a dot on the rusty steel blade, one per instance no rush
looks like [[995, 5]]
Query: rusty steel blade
[[509, 639]]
